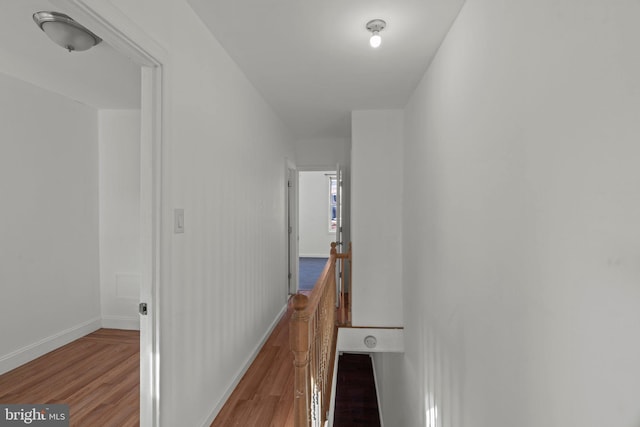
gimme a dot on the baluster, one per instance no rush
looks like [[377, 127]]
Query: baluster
[[299, 342], [313, 335]]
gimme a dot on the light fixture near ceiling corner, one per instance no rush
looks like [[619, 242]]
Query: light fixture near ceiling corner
[[375, 26], [65, 32]]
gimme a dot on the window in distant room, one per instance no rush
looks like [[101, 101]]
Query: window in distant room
[[333, 199]]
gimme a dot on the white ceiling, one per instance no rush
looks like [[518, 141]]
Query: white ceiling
[[310, 59], [99, 77], [312, 62]]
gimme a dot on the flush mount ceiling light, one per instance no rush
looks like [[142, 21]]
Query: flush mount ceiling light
[[66, 32], [375, 26]]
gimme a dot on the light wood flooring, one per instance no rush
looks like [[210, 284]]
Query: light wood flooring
[[98, 376], [264, 396]]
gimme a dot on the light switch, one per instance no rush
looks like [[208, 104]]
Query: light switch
[[178, 221]]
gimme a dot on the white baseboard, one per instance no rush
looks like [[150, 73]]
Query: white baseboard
[[243, 369], [121, 322], [33, 351], [314, 255]]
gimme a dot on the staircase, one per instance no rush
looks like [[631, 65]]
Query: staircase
[[356, 402]]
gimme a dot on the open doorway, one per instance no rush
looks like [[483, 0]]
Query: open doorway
[[125, 37], [318, 222], [54, 191]]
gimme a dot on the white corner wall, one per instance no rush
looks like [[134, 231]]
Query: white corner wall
[[225, 279], [376, 217], [314, 152], [119, 157], [48, 222], [521, 210], [313, 200]]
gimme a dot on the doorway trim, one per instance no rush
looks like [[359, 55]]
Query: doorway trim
[[291, 225], [117, 29], [309, 168]]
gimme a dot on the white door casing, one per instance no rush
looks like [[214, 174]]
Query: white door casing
[[123, 35]]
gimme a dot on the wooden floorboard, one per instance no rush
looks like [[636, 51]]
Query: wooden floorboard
[[98, 376], [264, 396]]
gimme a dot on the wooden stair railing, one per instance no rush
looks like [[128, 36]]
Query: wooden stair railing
[[344, 302], [313, 333]]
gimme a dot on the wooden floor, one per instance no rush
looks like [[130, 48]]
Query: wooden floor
[[264, 396], [98, 376]]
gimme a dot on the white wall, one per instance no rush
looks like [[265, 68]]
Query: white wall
[[521, 255], [225, 278], [48, 221], [119, 156], [315, 238], [317, 153], [376, 217], [313, 152]]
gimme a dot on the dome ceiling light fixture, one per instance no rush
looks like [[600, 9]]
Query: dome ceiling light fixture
[[65, 32], [375, 26]]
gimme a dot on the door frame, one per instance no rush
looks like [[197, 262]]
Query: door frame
[[316, 168], [291, 225], [117, 29]]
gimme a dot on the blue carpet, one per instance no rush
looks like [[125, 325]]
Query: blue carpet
[[310, 269]]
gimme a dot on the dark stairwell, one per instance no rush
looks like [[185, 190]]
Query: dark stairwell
[[356, 401]]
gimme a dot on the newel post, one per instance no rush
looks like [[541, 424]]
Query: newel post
[[299, 342]]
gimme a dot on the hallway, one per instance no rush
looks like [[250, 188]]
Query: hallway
[[264, 396]]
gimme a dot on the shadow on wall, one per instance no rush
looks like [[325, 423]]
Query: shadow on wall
[[440, 379], [428, 368]]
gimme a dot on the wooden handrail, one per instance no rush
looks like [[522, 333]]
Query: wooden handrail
[[313, 332], [344, 301]]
